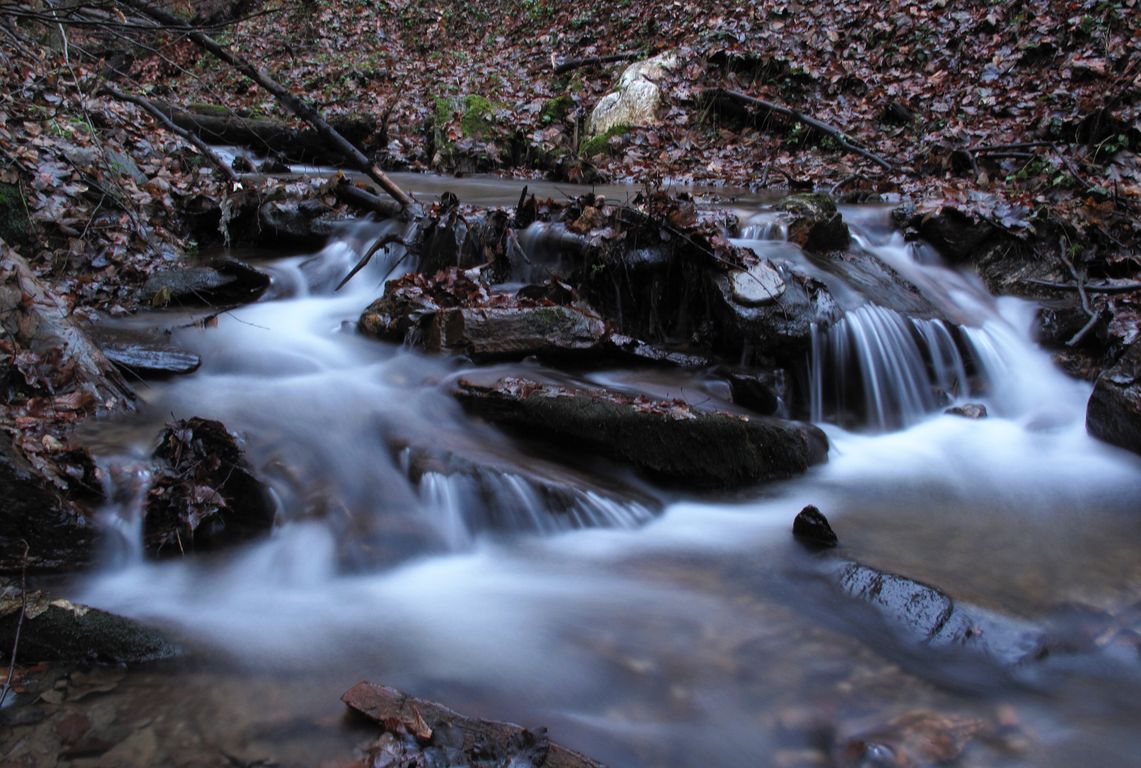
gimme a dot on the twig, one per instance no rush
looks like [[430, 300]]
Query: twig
[[845, 181], [381, 243], [839, 136], [1089, 326], [987, 149], [19, 622]]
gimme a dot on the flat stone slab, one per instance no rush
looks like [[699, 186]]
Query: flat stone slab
[[761, 284]]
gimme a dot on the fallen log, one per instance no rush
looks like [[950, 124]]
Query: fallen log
[[715, 95], [291, 102], [566, 65]]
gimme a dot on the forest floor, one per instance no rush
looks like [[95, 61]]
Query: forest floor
[[1014, 112]]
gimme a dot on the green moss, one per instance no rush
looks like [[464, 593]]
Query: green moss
[[555, 110], [212, 110], [477, 114], [15, 226], [596, 145]]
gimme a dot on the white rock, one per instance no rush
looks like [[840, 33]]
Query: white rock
[[637, 97], [761, 284]]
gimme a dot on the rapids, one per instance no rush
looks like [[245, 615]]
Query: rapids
[[643, 627]]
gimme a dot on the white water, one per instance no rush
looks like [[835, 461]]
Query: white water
[[671, 642]]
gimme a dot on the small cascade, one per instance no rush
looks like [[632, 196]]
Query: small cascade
[[464, 505], [767, 225], [880, 368]]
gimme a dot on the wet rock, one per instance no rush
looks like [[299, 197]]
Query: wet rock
[[670, 440], [58, 630], [781, 327], [816, 224], [224, 281], [455, 312], [926, 615], [630, 350], [968, 411], [514, 332], [206, 496], [1114, 410], [757, 391], [300, 224], [957, 236], [147, 360], [812, 530], [420, 733], [637, 96], [912, 739], [760, 284]]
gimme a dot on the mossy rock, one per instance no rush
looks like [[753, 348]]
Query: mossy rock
[[816, 224], [58, 630], [600, 144], [15, 226], [477, 114]]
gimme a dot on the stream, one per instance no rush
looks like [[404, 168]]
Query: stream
[[641, 625]]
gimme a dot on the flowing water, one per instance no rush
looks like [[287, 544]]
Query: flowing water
[[644, 627]]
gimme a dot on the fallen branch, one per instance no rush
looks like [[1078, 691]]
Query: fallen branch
[[566, 65], [182, 133], [841, 138], [19, 625], [383, 242], [1091, 287], [294, 104], [362, 199]]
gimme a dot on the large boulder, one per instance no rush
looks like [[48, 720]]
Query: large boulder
[[636, 98], [1114, 410], [667, 439]]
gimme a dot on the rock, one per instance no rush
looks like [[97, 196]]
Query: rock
[[422, 733], [35, 510], [781, 328], [1114, 410], [925, 615], [812, 530], [498, 333], [759, 392], [636, 98], [968, 411], [670, 440], [206, 496], [223, 281], [146, 360], [911, 739], [816, 224], [761, 284], [300, 224], [58, 630], [956, 235]]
